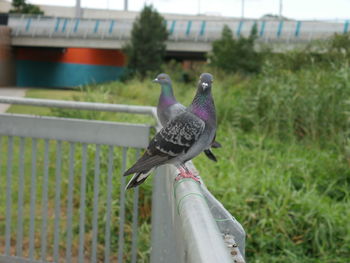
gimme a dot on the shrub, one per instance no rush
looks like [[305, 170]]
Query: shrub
[[236, 55], [146, 50], [21, 7]]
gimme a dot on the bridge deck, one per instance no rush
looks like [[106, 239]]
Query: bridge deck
[[185, 35]]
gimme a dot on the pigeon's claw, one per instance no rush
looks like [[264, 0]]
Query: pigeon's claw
[[187, 174]]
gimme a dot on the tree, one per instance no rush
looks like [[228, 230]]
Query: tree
[[21, 7], [146, 50], [236, 55]]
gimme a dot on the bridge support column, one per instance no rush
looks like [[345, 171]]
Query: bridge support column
[[7, 64]]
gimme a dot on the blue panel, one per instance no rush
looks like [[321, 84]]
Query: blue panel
[[188, 30], [64, 25], [297, 29], [111, 27], [29, 21], [280, 27], [50, 74], [262, 29], [172, 27], [346, 26], [58, 20], [96, 26], [201, 33], [76, 25], [239, 29]]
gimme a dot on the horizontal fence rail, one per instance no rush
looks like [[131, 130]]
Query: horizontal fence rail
[[80, 105], [65, 197], [72, 130]]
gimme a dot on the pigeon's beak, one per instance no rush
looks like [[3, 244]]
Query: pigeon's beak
[[156, 80], [205, 85]]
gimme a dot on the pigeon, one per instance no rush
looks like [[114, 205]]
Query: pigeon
[[182, 138], [168, 108]]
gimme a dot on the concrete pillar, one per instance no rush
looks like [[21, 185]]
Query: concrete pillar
[[7, 64]]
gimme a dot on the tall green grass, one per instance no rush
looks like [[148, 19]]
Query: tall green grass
[[283, 171]]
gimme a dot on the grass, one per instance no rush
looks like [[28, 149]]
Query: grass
[[283, 171], [292, 199]]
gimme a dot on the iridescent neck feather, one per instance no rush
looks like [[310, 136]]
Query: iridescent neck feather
[[167, 96], [203, 106]]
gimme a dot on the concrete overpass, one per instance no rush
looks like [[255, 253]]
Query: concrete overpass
[[194, 34], [59, 50]]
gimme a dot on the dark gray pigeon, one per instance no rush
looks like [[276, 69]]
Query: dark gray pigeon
[[183, 137], [168, 108]]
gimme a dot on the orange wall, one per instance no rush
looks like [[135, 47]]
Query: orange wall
[[87, 56]]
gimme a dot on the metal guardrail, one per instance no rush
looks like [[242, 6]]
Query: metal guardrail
[[180, 30], [54, 215], [192, 226]]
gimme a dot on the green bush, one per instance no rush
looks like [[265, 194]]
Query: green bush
[[21, 7], [236, 55], [146, 50]]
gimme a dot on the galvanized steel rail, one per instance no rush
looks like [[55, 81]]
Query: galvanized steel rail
[[77, 105], [184, 215]]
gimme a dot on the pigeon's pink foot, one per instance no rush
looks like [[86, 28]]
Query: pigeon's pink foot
[[187, 174]]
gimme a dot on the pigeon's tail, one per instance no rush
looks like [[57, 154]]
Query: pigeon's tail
[[216, 144], [146, 163], [138, 179], [210, 155]]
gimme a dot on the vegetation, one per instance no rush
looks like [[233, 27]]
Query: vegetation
[[236, 55], [146, 50], [21, 7], [284, 169]]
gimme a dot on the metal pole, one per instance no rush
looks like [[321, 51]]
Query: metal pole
[[125, 5], [280, 9], [199, 7], [78, 9], [242, 11]]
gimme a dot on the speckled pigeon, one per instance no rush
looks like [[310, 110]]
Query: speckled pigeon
[[168, 108], [182, 138]]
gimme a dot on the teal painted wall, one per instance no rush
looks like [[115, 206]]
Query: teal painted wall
[[53, 74]]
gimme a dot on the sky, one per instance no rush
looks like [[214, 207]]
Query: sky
[[297, 9]]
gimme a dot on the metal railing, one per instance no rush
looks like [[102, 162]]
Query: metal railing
[[55, 209], [204, 30]]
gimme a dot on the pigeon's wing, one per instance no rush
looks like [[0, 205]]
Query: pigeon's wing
[[174, 139], [169, 113], [179, 135], [176, 110]]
